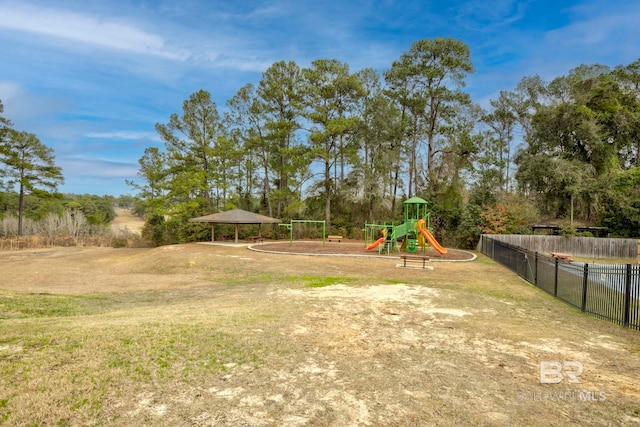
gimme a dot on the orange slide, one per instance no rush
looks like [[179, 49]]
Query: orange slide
[[432, 240], [375, 244]]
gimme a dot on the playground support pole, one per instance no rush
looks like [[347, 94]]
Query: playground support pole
[[290, 226], [324, 232]]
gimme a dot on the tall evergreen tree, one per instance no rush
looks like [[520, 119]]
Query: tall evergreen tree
[[29, 165], [428, 80], [377, 168], [153, 171], [249, 126], [280, 96], [330, 95], [502, 123], [197, 155]]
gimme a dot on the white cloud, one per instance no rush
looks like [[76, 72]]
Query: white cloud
[[9, 91], [608, 32], [96, 167], [242, 63], [85, 28], [22, 105], [487, 16], [125, 135]]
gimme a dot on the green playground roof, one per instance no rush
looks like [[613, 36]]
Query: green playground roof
[[415, 201]]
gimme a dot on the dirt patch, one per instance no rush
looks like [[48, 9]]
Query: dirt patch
[[355, 248]]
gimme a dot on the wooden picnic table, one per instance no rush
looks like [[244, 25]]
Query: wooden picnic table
[[561, 256]]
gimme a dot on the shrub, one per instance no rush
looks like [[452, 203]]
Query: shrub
[[120, 242]]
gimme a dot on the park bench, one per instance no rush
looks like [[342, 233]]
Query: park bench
[[561, 256], [423, 258], [334, 238], [254, 239]]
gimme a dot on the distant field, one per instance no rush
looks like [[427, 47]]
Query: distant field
[[125, 220], [199, 335]]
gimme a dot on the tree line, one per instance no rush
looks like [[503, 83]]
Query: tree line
[[326, 142], [323, 142]]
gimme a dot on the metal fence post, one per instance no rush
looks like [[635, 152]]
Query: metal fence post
[[555, 280], [627, 296], [535, 271], [584, 286]]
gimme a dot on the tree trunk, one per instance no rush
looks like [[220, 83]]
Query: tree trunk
[[327, 189], [394, 191], [265, 189], [20, 208]]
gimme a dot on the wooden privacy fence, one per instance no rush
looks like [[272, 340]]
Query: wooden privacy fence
[[608, 291], [590, 247]]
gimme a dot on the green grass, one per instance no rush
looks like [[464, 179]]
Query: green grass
[[4, 413], [50, 340], [319, 281], [177, 351], [15, 305], [249, 277]]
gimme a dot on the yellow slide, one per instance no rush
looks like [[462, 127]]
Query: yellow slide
[[432, 240]]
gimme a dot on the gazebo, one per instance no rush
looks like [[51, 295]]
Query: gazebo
[[234, 216]]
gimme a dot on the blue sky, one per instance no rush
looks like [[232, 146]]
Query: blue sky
[[91, 78]]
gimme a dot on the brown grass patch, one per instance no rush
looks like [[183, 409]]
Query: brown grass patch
[[206, 335]]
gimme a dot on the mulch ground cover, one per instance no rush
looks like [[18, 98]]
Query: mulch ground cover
[[356, 248]]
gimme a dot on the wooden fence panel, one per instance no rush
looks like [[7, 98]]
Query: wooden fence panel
[[593, 247]]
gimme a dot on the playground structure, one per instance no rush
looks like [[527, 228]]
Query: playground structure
[[408, 236]]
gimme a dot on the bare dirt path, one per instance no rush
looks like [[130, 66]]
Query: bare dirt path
[[126, 221], [300, 341]]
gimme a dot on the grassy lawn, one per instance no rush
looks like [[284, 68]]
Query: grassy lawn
[[196, 335]]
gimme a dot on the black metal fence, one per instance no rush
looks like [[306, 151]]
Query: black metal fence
[[608, 291]]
